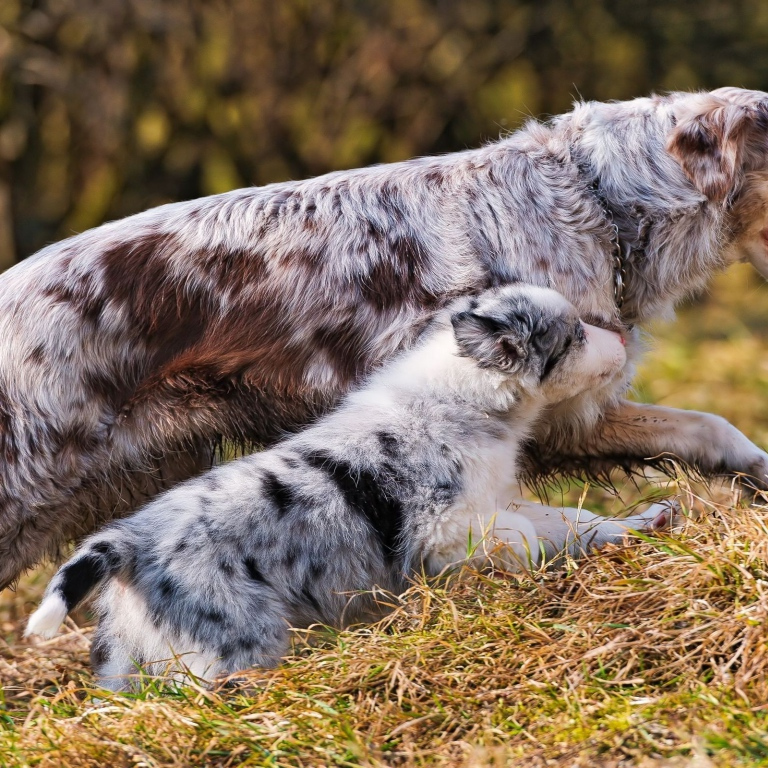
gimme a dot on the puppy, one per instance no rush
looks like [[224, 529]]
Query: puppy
[[420, 461]]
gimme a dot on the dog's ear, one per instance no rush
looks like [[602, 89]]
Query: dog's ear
[[713, 138], [493, 340]]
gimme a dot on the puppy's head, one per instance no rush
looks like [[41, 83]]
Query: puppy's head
[[534, 336]]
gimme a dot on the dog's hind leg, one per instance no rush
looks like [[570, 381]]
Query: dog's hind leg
[[112, 666], [61, 511]]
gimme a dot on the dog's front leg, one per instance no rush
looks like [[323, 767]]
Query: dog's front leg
[[634, 434]]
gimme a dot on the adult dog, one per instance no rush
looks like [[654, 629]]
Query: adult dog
[[410, 471], [128, 351]]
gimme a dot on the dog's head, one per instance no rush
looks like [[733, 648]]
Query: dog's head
[[720, 140], [535, 336], [720, 136]]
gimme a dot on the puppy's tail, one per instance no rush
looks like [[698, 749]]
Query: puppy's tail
[[73, 582]]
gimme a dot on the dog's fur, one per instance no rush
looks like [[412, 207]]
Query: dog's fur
[[130, 350], [398, 480]]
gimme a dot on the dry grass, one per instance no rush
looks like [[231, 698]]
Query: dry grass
[[651, 654]]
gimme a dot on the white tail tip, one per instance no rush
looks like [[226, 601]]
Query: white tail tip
[[46, 620]]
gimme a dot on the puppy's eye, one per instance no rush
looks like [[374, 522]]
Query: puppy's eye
[[556, 355]]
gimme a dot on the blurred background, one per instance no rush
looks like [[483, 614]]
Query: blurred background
[[108, 107]]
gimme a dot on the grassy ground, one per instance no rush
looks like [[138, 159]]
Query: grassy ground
[[651, 654]]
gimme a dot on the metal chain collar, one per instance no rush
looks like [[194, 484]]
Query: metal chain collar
[[620, 252], [620, 259]]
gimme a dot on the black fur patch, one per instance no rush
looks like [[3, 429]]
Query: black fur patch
[[554, 357], [79, 578], [279, 494], [213, 615], [253, 570], [365, 496], [390, 445], [238, 644], [306, 593], [292, 554], [168, 588], [108, 552]]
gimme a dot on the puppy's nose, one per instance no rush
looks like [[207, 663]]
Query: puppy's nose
[[596, 332], [606, 342]]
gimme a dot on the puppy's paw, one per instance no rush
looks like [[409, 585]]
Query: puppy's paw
[[754, 478], [660, 516]]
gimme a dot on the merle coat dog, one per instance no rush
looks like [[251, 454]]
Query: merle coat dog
[[410, 469], [130, 350]]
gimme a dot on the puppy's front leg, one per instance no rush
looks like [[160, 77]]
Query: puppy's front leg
[[517, 537], [579, 531], [634, 434]]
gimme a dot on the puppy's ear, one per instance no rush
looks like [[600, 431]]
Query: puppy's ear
[[713, 138], [493, 341]]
